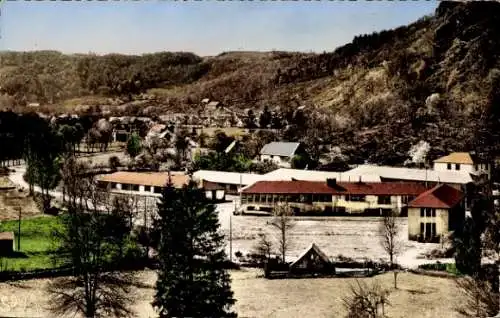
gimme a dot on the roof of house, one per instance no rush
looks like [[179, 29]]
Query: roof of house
[[315, 187], [227, 177], [411, 174], [280, 148], [316, 175], [456, 157], [208, 185], [6, 235], [441, 196], [313, 247], [213, 104], [157, 179]]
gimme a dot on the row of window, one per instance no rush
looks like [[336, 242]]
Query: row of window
[[427, 212], [457, 166], [308, 198], [135, 187]]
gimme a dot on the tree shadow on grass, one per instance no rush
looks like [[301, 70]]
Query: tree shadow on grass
[[14, 254]]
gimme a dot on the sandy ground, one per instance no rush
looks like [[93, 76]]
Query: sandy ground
[[355, 237], [417, 296]]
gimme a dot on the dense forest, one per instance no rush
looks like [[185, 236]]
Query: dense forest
[[435, 80]]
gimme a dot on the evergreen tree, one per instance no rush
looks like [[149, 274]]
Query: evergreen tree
[[134, 145], [192, 281]]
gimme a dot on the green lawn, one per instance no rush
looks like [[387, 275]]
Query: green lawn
[[37, 243]]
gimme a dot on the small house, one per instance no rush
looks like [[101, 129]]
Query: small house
[[6, 243], [281, 153], [462, 161], [435, 213], [312, 261]]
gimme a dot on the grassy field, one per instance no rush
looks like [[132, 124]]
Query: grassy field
[[417, 296], [37, 243]]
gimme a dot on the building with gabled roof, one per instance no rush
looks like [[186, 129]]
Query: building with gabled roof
[[329, 196], [312, 260], [144, 183], [435, 213], [281, 152], [463, 161]]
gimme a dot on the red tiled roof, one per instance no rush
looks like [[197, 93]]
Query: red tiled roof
[[290, 187], [384, 188], [315, 187], [441, 196]]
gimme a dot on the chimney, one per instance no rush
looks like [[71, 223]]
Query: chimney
[[331, 182]]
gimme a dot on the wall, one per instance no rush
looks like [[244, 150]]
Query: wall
[[441, 219], [337, 202], [283, 162], [441, 166], [371, 202]]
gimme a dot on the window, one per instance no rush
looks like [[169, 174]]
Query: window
[[448, 166], [147, 188], [157, 189], [135, 187], [457, 166], [407, 198], [428, 212], [357, 198], [384, 199]]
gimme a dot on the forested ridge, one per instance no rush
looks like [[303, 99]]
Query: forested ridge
[[435, 79]]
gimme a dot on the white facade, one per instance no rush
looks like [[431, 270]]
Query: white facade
[[280, 161], [475, 169]]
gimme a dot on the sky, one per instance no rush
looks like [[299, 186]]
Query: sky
[[204, 27]]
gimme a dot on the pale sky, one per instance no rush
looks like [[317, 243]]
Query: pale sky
[[203, 27]]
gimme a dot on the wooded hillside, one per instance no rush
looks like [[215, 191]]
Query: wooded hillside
[[435, 79]]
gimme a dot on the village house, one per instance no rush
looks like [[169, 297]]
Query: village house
[[435, 213], [463, 161], [281, 153], [372, 198], [141, 183]]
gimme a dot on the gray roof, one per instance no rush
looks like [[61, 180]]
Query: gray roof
[[283, 149]]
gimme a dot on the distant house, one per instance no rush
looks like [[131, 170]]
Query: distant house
[[462, 161], [434, 213], [214, 191], [281, 153], [141, 183]]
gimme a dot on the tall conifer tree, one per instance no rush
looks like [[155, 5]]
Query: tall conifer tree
[[192, 280]]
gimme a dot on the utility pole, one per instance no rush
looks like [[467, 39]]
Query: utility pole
[[19, 231], [230, 238]]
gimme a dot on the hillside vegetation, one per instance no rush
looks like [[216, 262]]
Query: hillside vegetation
[[434, 79]]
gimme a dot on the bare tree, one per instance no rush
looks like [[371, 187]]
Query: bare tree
[[366, 301], [389, 232], [92, 240], [264, 247], [481, 299], [283, 223]]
